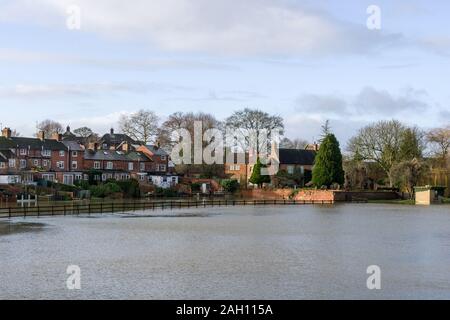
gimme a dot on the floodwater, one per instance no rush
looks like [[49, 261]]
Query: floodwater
[[267, 252]]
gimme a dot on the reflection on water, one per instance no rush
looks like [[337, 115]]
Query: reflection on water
[[285, 252]]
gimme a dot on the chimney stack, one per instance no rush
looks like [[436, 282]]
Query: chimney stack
[[41, 135], [112, 131], [92, 146], [6, 132], [56, 136], [125, 147], [68, 129]]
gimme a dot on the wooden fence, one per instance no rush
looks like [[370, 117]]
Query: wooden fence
[[124, 207]]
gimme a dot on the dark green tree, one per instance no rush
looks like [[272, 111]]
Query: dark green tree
[[328, 163], [256, 177]]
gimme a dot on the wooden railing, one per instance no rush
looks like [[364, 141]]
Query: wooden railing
[[123, 207]]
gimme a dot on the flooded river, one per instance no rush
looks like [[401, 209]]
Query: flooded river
[[267, 252]]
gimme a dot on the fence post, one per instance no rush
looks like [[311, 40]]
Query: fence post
[[112, 207], [9, 212], [101, 207], [38, 211], [25, 211], [64, 208]]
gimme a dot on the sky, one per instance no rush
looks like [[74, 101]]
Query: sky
[[307, 61]]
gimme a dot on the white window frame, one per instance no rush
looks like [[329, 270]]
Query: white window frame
[[97, 165], [109, 165], [45, 163], [163, 158], [162, 167], [23, 163], [60, 165], [74, 154], [142, 166], [2, 165], [36, 162], [62, 153], [46, 153], [74, 165], [130, 166], [23, 151]]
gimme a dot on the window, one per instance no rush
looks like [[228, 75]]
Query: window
[[105, 146], [48, 177], [78, 177], [290, 169], [2, 165], [142, 167], [62, 153], [109, 165], [235, 167], [163, 158], [60, 164], [142, 177], [302, 170], [23, 152], [23, 163], [74, 154], [36, 162], [130, 166], [162, 167], [45, 163], [74, 164], [96, 164], [46, 153]]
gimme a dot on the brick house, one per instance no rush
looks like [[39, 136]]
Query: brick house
[[35, 158], [161, 173]]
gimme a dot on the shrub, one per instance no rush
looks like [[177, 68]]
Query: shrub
[[230, 185], [105, 190], [130, 188]]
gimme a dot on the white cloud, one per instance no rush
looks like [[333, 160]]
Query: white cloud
[[381, 102], [35, 91], [322, 104], [263, 27]]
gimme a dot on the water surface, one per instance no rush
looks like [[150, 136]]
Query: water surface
[[282, 252]]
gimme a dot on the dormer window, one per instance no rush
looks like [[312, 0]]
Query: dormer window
[[61, 153], [23, 152]]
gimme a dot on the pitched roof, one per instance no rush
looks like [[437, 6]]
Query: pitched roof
[[156, 150], [116, 138], [31, 143], [5, 155], [297, 156], [73, 145], [110, 155]]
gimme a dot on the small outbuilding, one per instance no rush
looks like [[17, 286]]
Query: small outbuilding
[[428, 195]]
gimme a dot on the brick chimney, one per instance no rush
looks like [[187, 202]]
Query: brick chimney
[[93, 146], [112, 131], [6, 132], [56, 136], [125, 147], [41, 135]]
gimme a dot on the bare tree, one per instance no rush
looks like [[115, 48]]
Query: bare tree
[[379, 142], [439, 138], [141, 126], [83, 132], [15, 133], [180, 120], [296, 143], [250, 121], [49, 127]]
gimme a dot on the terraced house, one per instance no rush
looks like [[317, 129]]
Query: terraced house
[[66, 158], [25, 160]]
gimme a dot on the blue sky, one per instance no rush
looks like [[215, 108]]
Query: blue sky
[[305, 60]]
